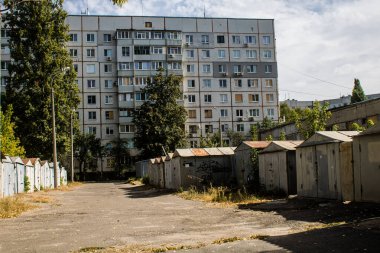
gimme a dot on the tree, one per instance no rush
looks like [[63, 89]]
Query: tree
[[10, 144], [38, 34], [119, 2], [160, 121], [119, 151], [315, 120], [291, 115], [235, 138], [88, 148], [282, 136], [357, 93], [210, 141], [255, 131]]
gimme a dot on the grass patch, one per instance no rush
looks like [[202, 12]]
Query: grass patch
[[258, 237], [324, 225], [91, 249], [13, 206], [222, 195], [40, 199], [135, 181], [227, 240]]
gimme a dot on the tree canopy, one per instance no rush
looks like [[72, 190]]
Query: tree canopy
[[357, 93], [10, 144], [40, 62], [160, 121]]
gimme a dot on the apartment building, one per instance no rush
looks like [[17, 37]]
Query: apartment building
[[228, 66]]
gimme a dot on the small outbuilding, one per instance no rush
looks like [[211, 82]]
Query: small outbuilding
[[324, 165], [141, 168], [29, 173], [37, 173], [45, 175], [169, 172], [243, 169], [277, 167], [202, 167], [9, 183], [366, 149], [20, 173]]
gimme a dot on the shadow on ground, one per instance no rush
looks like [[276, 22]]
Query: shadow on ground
[[145, 191]]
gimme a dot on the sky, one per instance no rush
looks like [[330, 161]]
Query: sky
[[322, 45]]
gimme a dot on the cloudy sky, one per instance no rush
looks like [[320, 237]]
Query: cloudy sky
[[322, 45]]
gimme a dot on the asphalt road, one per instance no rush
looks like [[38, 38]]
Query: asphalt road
[[116, 214]]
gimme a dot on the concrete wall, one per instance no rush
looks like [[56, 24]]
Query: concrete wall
[[367, 168]]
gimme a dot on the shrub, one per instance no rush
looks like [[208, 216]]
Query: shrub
[[145, 180], [26, 184]]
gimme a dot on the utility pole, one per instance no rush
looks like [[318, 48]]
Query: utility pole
[[56, 176], [72, 145], [220, 133]]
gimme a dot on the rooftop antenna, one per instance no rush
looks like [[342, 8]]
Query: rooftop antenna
[[85, 12], [142, 8], [204, 11]]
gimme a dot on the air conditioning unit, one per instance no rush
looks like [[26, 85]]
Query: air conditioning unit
[[115, 37], [238, 74], [240, 119], [193, 135], [171, 56], [187, 44], [109, 58], [245, 44], [251, 119], [116, 83], [184, 96], [225, 74]]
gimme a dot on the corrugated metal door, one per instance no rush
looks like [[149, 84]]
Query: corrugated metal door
[[322, 171], [291, 172]]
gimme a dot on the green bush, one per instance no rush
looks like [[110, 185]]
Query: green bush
[[145, 180], [26, 184]]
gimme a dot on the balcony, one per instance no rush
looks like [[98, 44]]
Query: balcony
[[127, 104], [170, 42], [125, 88], [125, 120], [174, 57]]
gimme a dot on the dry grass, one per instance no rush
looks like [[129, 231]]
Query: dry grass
[[324, 225], [13, 206], [135, 181], [222, 195], [227, 240], [69, 187]]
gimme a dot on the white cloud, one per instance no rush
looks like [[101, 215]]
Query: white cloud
[[332, 40]]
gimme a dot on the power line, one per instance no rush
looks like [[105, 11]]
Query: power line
[[306, 93], [316, 78]]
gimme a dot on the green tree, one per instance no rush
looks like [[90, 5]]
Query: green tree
[[235, 138], [120, 152], [291, 115], [255, 131], [210, 141], [282, 136], [10, 144], [119, 2], [269, 138], [38, 34], [315, 120], [88, 148], [357, 92], [370, 123], [160, 121]]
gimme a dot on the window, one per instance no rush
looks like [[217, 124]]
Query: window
[[192, 114], [207, 98], [205, 39], [193, 129], [253, 98], [190, 68], [140, 96], [90, 52], [126, 97], [148, 24], [238, 83], [270, 112], [239, 113], [222, 83], [193, 144], [76, 67], [220, 39], [190, 53], [223, 113], [125, 66], [251, 69], [158, 35], [91, 130], [224, 129], [268, 68], [205, 53], [125, 51], [109, 131], [91, 115], [175, 66], [90, 68], [235, 39], [190, 83], [108, 84], [142, 65], [221, 53], [73, 52], [90, 37], [142, 50], [191, 98], [208, 129], [236, 53], [91, 99], [126, 128], [237, 69], [108, 99], [4, 65], [107, 68], [109, 115], [157, 65], [141, 80], [253, 83], [266, 40], [174, 50], [251, 54], [142, 35], [254, 112], [239, 127], [72, 36], [269, 97], [207, 83], [223, 98], [250, 39], [189, 39], [268, 83], [267, 54], [222, 68], [238, 98], [157, 50], [107, 37], [122, 34], [125, 112], [174, 35], [125, 81], [4, 80], [90, 83], [206, 68]]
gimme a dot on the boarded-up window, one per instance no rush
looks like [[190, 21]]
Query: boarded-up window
[[192, 114], [208, 113], [238, 98]]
